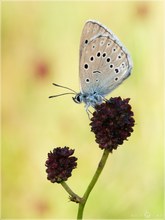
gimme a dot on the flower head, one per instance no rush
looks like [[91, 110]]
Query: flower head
[[60, 164], [112, 123]]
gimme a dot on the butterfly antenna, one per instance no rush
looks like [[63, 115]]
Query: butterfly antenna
[[54, 96], [64, 87]]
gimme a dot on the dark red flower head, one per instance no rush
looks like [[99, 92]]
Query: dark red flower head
[[60, 164], [112, 123]]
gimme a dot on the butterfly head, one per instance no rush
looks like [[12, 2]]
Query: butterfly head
[[90, 99]]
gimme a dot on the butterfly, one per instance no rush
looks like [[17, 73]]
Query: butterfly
[[104, 63]]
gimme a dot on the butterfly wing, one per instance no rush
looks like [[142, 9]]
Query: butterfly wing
[[104, 62], [91, 30]]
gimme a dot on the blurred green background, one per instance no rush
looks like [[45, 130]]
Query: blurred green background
[[40, 45]]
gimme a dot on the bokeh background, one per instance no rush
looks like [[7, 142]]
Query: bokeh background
[[40, 45]]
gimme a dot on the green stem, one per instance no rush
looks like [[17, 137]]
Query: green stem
[[92, 184], [73, 196]]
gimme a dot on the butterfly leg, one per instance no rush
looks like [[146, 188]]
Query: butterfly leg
[[105, 99], [88, 111]]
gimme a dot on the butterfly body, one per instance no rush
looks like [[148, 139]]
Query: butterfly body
[[90, 99]]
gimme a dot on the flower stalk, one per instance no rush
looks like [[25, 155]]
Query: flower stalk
[[73, 196], [92, 183]]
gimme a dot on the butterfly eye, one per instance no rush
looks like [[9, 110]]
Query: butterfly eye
[[77, 98]]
